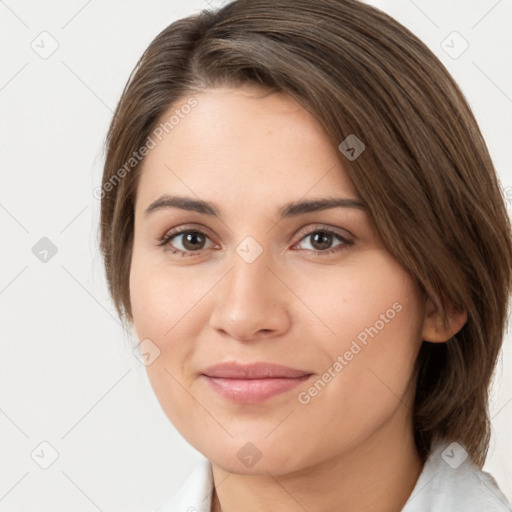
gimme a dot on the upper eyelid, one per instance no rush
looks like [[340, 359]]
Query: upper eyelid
[[180, 230], [322, 227]]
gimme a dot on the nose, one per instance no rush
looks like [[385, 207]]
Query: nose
[[251, 302]]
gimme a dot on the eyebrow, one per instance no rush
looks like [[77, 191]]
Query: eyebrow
[[288, 210]]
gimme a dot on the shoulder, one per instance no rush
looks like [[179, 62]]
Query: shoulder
[[195, 494], [451, 482]]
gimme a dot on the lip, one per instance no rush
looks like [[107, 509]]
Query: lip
[[252, 383]]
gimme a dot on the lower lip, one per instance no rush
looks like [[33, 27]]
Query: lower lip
[[250, 391]]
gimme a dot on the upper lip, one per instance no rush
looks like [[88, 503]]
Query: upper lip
[[260, 370]]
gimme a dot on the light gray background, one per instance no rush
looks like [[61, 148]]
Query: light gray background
[[68, 376]]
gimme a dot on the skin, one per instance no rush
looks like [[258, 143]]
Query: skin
[[351, 446]]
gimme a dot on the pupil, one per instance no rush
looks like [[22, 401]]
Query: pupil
[[321, 240], [191, 240]]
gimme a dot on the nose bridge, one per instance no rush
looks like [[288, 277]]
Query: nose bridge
[[250, 278], [250, 300]]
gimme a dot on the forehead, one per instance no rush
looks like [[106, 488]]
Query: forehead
[[242, 143]]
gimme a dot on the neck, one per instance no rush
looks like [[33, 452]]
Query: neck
[[378, 475]]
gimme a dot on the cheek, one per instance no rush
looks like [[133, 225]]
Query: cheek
[[163, 298], [162, 312], [168, 308], [371, 324], [345, 300]]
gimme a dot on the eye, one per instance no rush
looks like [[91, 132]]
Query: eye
[[185, 241], [191, 241], [321, 241]]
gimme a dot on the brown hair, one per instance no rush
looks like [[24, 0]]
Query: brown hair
[[425, 176]]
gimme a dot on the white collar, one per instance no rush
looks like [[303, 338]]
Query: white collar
[[445, 484]]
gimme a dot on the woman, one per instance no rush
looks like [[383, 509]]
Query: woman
[[301, 221]]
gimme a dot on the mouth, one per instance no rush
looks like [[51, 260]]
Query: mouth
[[252, 383]]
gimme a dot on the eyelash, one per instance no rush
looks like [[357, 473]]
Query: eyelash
[[166, 239]]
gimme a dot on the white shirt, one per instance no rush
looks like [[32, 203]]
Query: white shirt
[[449, 482]]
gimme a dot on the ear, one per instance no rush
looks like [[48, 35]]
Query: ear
[[433, 328]]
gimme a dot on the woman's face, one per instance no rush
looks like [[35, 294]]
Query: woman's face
[[254, 280]]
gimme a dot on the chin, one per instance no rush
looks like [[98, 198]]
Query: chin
[[257, 458]]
